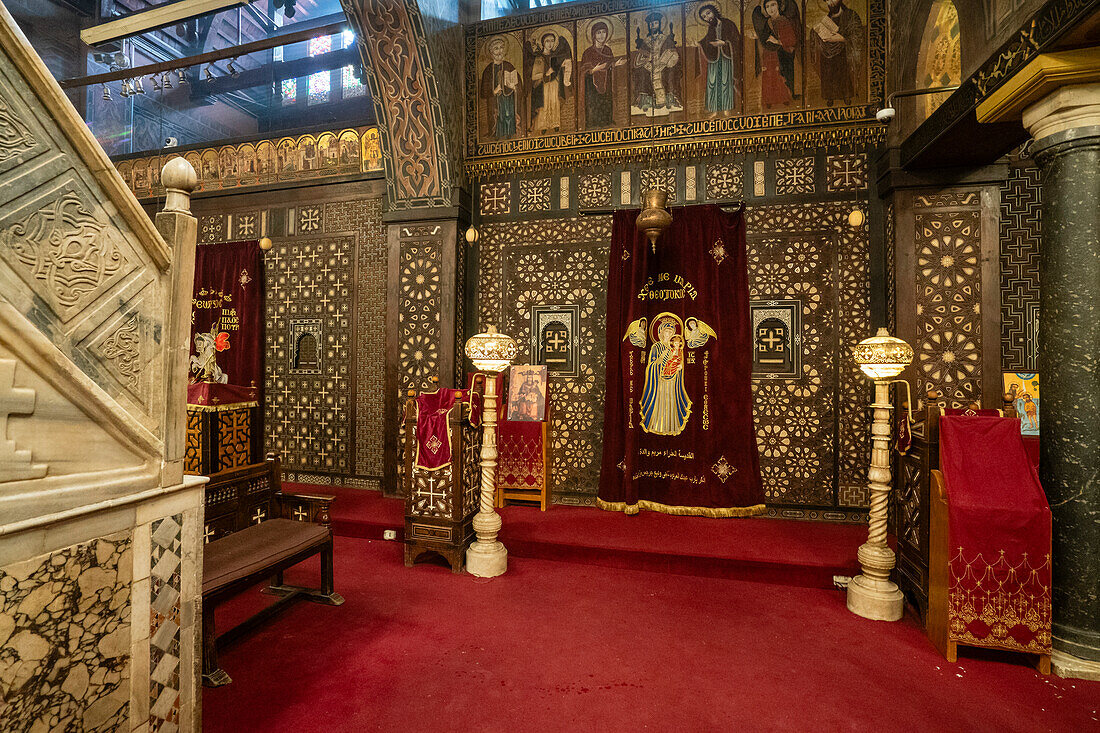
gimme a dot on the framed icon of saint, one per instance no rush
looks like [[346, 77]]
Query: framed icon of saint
[[527, 393]]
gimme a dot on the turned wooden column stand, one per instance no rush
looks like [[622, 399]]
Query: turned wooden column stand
[[872, 594], [490, 352]]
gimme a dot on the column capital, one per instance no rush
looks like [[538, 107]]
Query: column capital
[[1054, 93], [1066, 108]]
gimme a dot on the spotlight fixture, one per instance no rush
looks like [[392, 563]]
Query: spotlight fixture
[[156, 82], [209, 74], [181, 77], [233, 69], [106, 93], [166, 81]]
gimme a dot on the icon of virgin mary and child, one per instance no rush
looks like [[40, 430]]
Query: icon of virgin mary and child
[[665, 406]]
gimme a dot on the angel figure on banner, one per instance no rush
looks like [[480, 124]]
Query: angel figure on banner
[[665, 406]]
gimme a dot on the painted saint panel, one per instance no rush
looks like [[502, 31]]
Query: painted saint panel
[[227, 166], [548, 74], [265, 161], [500, 89], [773, 43], [836, 50], [657, 64], [527, 393], [603, 70], [246, 165], [714, 58]]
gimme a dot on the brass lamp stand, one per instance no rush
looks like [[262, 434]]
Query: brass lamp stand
[[490, 352]]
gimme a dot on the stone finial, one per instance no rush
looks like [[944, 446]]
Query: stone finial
[[179, 180]]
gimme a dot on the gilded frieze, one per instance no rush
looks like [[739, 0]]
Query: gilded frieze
[[262, 162]]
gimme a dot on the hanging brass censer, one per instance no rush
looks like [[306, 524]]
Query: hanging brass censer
[[654, 218]]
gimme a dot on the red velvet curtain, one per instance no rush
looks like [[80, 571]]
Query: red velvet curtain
[[227, 312], [678, 433]]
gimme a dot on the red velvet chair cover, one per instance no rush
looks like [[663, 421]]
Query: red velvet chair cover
[[999, 571]]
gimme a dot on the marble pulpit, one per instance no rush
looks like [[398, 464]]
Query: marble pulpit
[[100, 531]]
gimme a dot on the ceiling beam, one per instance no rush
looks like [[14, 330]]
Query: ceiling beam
[[208, 57], [154, 18]]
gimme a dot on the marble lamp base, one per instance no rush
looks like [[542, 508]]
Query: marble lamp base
[[877, 600], [486, 559]]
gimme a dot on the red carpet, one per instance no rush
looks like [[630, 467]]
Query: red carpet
[[564, 647], [782, 551]]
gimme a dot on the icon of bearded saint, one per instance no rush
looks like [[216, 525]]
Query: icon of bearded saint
[[665, 406]]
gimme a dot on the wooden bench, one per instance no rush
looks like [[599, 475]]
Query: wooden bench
[[254, 531]]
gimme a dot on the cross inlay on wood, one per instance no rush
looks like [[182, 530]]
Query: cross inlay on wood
[[15, 464], [259, 515], [300, 514], [557, 340], [772, 340], [208, 534]]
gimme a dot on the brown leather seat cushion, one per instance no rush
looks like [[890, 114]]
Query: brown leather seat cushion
[[242, 553]]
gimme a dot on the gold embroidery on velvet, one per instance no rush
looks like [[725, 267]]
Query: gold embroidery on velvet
[[1002, 596], [695, 511]]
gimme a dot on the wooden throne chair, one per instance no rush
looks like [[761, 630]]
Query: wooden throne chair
[[990, 542], [912, 496], [441, 501]]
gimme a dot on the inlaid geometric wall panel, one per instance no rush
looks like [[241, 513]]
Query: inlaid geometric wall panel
[[364, 216], [662, 179], [1021, 198], [420, 276], [794, 176], [724, 181], [948, 292], [562, 262], [308, 416], [534, 195], [846, 172], [595, 190], [833, 282], [496, 198], [795, 418]]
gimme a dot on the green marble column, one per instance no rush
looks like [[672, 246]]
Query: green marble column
[[1069, 369]]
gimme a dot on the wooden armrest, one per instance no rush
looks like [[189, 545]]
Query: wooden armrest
[[939, 489], [305, 507]]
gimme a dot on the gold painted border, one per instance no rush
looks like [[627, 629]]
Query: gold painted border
[[684, 511], [221, 408], [872, 134]]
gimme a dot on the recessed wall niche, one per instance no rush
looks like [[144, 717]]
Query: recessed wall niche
[[306, 339]]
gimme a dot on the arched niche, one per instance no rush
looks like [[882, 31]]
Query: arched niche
[[939, 62]]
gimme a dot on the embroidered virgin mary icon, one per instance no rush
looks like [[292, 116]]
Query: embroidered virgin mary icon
[[665, 406]]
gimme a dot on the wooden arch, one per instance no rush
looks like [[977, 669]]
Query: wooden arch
[[909, 23], [398, 69]]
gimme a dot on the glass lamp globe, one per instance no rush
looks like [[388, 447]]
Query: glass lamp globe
[[882, 356], [491, 351]]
